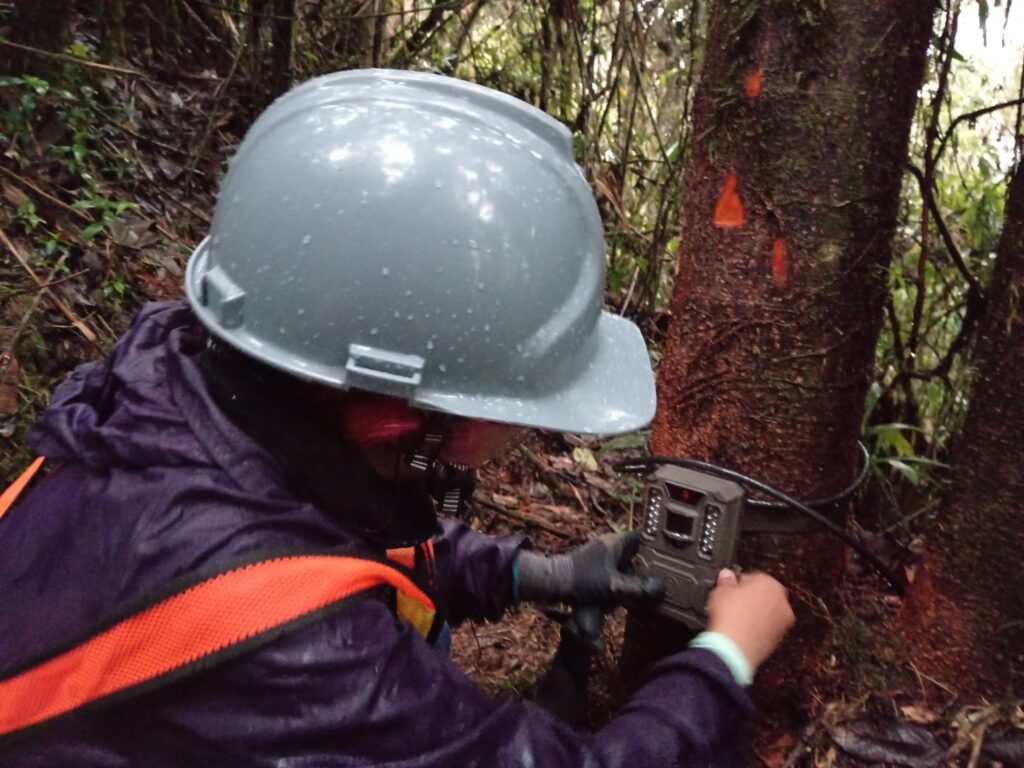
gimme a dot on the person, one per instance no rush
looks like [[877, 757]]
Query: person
[[403, 272]]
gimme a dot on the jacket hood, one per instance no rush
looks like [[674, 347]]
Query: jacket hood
[[147, 405], [150, 405]]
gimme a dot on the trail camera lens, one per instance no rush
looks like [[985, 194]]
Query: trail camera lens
[[679, 524]]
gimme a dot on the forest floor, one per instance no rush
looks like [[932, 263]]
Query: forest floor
[[107, 187]]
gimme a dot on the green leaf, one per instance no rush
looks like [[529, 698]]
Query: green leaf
[[92, 230], [893, 425], [37, 84], [629, 441], [585, 457], [904, 469], [926, 461]]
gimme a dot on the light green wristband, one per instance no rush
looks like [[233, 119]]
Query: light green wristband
[[724, 648]]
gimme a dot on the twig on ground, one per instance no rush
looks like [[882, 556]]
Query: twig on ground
[[520, 517], [171, 236], [77, 60], [560, 485], [50, 282], [46, 195], [74, 319], [801, 745], [7, 355]]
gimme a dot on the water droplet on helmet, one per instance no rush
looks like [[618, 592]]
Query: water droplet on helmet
[[385, 271], [430, 345], [442, 367], [300, 312], [306, 239], [373, 331]]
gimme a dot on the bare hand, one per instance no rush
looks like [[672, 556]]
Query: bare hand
[[752, 611]]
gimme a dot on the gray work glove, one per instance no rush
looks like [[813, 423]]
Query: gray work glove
[[590, 575]]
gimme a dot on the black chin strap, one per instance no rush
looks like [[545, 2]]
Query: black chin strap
[[450, 484]]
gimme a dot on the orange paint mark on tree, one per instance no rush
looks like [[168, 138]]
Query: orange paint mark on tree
[[752, 83], [780, 264], [729, 211]]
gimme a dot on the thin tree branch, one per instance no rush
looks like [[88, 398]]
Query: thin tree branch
[[931, 136], [947, 237], [214, 111], [974, 115]]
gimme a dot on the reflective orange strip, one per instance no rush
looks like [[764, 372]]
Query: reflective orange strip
[[14, 489], [208, 617], [406, 556]]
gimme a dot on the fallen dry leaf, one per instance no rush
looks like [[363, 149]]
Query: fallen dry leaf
[[509, 502], [8, 382], [918, 714]]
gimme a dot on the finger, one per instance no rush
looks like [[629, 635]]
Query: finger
[[628, 589], [727, 576], [628, 546], [654, 588]]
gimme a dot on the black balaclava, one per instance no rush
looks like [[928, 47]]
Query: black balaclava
[[320, 465]]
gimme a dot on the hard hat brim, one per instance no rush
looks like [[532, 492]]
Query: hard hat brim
[[613, 393], [608, 390]]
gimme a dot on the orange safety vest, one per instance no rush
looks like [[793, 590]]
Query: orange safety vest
[[203, 620]]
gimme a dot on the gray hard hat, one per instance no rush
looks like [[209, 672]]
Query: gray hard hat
[[426, 238]]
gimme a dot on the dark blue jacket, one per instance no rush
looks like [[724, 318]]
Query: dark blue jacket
[[155, 483]]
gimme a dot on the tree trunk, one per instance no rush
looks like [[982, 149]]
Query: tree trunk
[[112, 28], [965, 613], [801, 124], [281, 40], [39, 24]]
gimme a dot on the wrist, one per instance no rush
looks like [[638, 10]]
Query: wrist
[[726, 649], [539, 578]]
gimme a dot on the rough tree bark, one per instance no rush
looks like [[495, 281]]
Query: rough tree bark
[[801, 124], [965, 614]]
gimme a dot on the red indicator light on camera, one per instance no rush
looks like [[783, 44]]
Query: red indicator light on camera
[[683, 495]]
